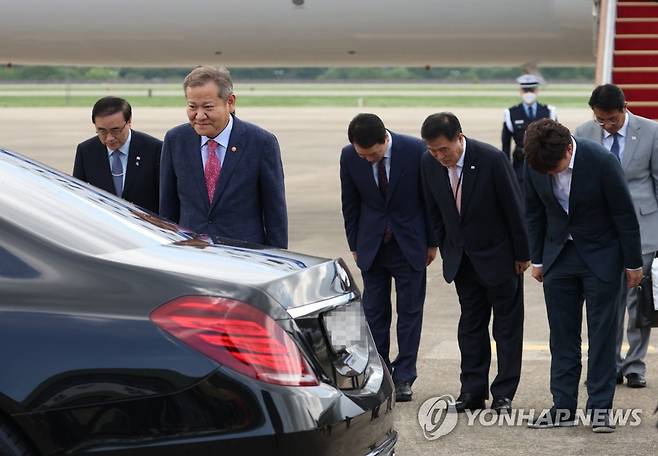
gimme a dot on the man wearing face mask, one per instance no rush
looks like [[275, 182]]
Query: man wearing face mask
[[518, 117]]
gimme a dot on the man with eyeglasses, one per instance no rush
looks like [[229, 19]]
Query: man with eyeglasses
[[633, 140], [118, 159], [475, 207]]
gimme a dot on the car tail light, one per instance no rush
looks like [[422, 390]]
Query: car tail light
[[236, 335]]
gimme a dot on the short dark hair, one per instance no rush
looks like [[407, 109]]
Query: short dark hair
[[108, 106], [442, 124], [607, 97], [366, 130], [545, 144]]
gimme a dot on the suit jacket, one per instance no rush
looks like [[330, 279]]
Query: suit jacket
[[639, 162], [141, 185], [601, 218], [249, 202], [366, 212], [490, 229]]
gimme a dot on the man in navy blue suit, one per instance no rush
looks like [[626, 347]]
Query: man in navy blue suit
[[118, 159], [219, 175], [475, 206], [388, 235], [584, 236]]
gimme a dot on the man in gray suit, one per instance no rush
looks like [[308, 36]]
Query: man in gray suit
[[634, 141]]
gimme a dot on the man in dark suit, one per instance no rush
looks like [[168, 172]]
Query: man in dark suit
[[120, 160], [634, 140], [583, 232], [475, 207], [222, 176], [388, 235]]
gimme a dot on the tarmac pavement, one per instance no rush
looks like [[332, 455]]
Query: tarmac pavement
[[311, 140]]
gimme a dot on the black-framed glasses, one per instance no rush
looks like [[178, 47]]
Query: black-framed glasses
[[112, 131]]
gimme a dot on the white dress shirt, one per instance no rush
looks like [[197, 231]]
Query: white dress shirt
[[221, 139], [562, 182]]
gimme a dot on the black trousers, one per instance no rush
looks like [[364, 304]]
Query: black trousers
[[389, 264], [477, 300], [566, 284]]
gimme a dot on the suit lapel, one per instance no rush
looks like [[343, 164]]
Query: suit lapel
[[548, 182], [364, 170], [469, 175], [396, 167], [192, 143], [131, 168], [105, 174], [234, 152], [575, 177], [630, 141]]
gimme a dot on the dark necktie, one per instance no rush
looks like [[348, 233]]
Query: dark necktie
[[382, 181], [615, 146], [117, 172], [381, 177]]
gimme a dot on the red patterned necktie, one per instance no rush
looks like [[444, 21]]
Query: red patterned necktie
[[212, 169]]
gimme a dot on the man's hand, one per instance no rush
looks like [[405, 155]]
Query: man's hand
[[521, 266], [633, 278], [354, 256], [431, 255], [538, 274]]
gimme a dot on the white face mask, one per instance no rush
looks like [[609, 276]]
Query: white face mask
[[529, 97]]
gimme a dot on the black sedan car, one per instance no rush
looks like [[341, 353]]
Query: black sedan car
[[122, 334]]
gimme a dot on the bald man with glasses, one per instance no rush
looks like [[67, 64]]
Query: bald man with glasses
[[119, 159]]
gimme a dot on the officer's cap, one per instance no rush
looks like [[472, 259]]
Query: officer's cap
[[528, 81]]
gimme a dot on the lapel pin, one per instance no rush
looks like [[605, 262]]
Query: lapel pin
[[472, 166], [234, 149]]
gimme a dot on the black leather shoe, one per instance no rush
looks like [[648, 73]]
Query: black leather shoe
[[467, 401], [403, 392], [501, 405], [635, 381], [601, 422]]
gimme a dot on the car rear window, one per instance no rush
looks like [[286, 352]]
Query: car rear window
[[71, 213]]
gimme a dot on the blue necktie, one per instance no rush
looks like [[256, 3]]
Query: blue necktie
[[615, 146], [117, 172]]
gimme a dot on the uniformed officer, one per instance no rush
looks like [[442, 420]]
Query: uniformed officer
[[517, 119]]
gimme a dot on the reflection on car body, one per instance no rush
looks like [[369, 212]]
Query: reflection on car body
[[122, 333]]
